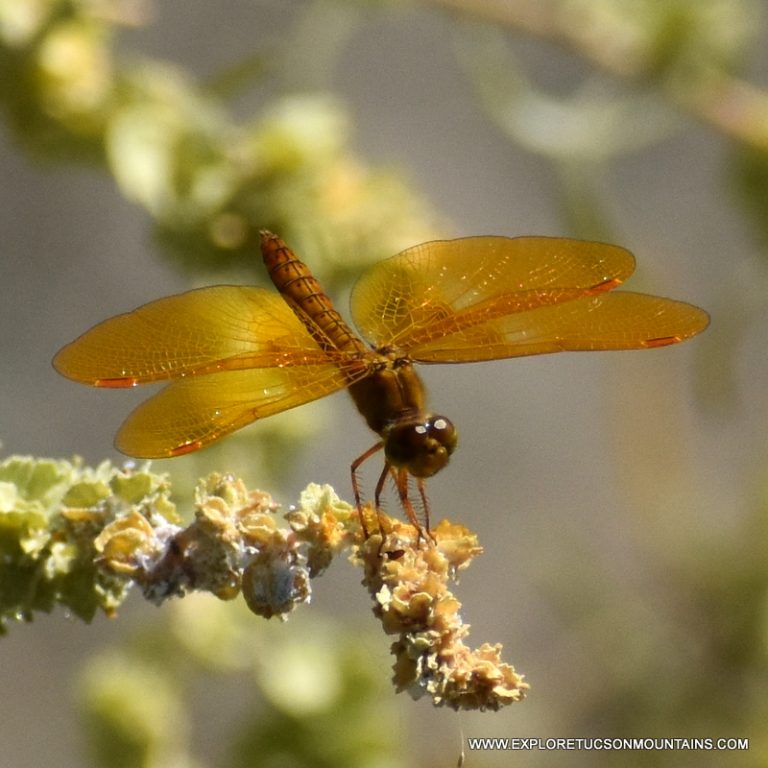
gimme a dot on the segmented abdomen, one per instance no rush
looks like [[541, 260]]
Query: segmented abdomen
[[303, 293]]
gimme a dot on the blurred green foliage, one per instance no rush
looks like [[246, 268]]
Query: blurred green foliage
[[322, 703], [50, 513], [173, 145]]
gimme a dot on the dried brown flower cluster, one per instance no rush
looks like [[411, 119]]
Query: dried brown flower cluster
[[236, 544], [233, 544], [408, 579]]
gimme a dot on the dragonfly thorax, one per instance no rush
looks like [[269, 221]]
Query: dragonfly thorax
[[421, 444]]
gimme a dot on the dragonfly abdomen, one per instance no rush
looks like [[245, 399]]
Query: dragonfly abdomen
[[303, 293]]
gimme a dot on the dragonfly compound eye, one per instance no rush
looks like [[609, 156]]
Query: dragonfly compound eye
[[422, 447]]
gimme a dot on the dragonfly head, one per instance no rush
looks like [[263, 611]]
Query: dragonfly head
[[421, 445]]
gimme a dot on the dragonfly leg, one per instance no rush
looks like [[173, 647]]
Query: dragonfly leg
[[401, 482], [356, 484], [422, 486], [400, 477], [379, 490]]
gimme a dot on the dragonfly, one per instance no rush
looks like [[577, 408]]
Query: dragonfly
[[234, 354]]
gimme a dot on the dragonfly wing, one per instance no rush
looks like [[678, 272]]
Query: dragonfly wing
[[191, 413], [223, 327], [621, 320], [445, 286]]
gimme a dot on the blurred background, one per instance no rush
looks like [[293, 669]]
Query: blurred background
[[620, 498]]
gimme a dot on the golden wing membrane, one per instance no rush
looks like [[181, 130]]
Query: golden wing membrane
[[446, 286], [202, 331], [235, 354], [607, 321], [193, 412]]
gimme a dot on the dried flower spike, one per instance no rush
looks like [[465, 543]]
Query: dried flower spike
[[119, 527], [408, 578]]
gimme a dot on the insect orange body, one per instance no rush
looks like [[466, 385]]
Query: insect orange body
[[387, 391], [234, 354]]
